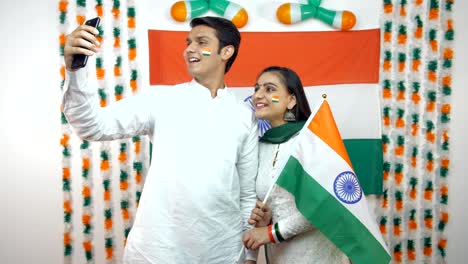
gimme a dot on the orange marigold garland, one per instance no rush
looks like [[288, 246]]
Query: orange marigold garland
[[87, 211], [444, 109], [80, 11], [105, 147], [388, 90], [416, 85], [414, 134], [140, 144], [65, 143], [431, 72], [400, 145], [86, 157], [124, 144]]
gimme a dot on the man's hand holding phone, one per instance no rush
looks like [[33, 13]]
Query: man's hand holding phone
[[80, 44]]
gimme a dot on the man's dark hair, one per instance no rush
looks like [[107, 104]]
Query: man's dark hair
[[226, 32], [292, 81]]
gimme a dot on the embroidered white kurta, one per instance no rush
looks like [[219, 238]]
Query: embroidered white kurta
[[303, 243], [200, 188]]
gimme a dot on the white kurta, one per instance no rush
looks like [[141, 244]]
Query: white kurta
[[200, 188], [303, 243]]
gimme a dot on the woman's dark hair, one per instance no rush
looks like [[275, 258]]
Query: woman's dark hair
[[226, 32], [292, 81]]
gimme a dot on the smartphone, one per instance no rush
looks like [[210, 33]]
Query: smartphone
[[80, 60]]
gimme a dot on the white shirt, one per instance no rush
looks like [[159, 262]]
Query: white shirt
[[200, 188]]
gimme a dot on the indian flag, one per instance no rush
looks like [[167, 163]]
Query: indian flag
[[206, 51], [342, 64], [320, 176], [275, 99]]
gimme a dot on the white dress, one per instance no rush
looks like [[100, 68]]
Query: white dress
[[200, 188], [303, 243]]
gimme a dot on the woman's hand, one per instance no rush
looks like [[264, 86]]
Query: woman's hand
[[261, 215], [256, 237]]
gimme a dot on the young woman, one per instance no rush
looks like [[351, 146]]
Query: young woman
[[287, 235]]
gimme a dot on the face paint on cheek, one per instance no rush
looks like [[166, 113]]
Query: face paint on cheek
[[275, 99], [206, 52]]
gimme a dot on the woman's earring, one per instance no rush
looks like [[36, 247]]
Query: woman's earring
[[289, 116]]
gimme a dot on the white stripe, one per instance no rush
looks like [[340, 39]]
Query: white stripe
[[337, 20], [324, 164], [356, 107], [231, 10], [274, 233], [188, 5], [262, 15], [295, 13]]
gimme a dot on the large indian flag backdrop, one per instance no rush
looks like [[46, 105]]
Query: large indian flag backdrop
[[388, 81], [345, 65]]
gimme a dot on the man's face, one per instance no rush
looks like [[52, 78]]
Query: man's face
[[201, 55]]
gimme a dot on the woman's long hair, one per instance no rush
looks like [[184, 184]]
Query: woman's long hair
[[292, 81]]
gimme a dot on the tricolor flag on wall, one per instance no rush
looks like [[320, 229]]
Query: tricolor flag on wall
[[320, 176], [344, 65]]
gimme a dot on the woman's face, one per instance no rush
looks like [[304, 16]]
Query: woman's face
[[271, 98]]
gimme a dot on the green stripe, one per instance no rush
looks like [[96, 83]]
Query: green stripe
[[367, 158], [327, 214]]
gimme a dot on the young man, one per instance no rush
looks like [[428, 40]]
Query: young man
[[200, 188]]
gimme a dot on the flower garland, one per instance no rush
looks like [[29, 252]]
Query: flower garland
[[139, 143], [414, 159], [138, 168], [387, 141], [108, 208], [429, 150], [64, 142], [105, 147], [119, 91], [400, 105], [444, 121], [86, 157], [80, 11], [132, 53], [415, 117], [87, 213], [125, 200], [417, 53], [67, 195]]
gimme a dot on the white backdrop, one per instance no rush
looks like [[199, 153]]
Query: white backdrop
[[31, 224]]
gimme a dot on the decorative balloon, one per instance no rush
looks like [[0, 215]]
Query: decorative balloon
[[184, 10], [290, 13]]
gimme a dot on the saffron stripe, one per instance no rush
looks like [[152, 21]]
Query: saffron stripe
[[323, 125], [270, 234], [320, 58]]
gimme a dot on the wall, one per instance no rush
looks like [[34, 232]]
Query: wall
[[31, 221]]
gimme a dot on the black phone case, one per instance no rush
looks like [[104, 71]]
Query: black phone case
[[80, 60]]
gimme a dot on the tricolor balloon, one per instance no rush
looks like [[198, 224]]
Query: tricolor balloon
[[290, 13], [185, 10]]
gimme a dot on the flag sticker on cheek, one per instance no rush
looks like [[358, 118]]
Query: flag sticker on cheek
[[275, 99], [206, 52]]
